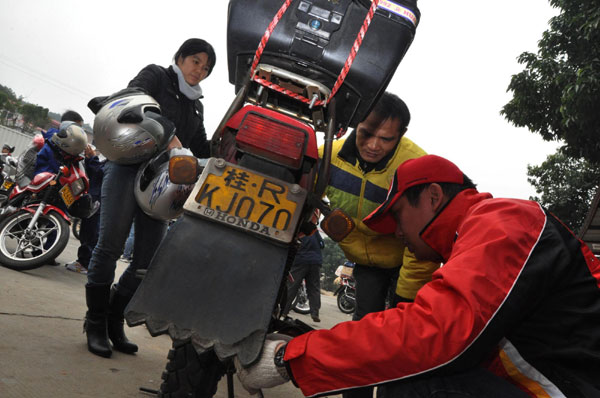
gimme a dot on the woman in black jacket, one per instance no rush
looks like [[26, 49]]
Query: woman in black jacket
[[178, 91]]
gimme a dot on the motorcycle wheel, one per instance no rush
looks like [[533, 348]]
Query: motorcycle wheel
[[189, 374], [21, 251], [346, 302], [76, 227], [300, 303]]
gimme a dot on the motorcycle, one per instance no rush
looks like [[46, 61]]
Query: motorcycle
[[346, 295], [35, 227], [76, 227], [221, 268], [300, 303], [346, 292], [7, 182]]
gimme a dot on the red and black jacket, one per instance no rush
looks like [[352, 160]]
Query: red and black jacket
[[518, 293]]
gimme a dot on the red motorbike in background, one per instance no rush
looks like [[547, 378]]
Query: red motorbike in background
[[34, 225]]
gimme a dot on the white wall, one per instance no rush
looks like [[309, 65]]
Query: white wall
[[14, 138]]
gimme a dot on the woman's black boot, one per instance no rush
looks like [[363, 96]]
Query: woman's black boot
[[95, 325], [118, 302]]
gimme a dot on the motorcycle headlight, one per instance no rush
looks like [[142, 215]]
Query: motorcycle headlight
[[78, 186]]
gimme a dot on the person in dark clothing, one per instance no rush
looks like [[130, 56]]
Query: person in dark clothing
[[307, 266], [88, 233], [50, 157], [177, 90]]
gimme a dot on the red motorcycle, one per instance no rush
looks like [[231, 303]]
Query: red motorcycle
[[34, 226]]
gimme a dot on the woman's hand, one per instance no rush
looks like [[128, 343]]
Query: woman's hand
[[174, 143]]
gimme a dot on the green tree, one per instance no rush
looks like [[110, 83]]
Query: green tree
[[558, 93], [4, 98], [34, 115], [567, 187], [8, 92]]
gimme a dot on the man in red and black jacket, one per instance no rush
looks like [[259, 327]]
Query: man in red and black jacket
[[513, 312]]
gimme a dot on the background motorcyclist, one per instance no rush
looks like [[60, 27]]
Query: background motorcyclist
[[60, 148], [307, 266], [8, 162], [89, 228]]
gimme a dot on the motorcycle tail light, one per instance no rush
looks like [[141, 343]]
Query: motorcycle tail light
[[272, 139], [77, 186]]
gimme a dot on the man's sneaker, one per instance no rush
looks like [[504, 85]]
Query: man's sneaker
[[125, 259], [75, 266], [315, 318]]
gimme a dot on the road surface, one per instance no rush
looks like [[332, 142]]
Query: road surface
[[43, 350]]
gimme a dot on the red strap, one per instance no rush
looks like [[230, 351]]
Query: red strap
[[267, 35], [354, 49], [344, 71]]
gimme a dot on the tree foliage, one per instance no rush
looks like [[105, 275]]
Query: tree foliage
[[558, 93], [12, 106], [567, 187], [34, 115]]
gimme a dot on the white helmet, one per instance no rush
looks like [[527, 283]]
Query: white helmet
[[71, 138], [155, 193], [129, 128]]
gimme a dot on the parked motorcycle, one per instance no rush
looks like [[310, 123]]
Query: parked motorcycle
[[346, 295], [216, 284], [76, 227], [7, 182], [346, 292], [35, 227], [300, 303]]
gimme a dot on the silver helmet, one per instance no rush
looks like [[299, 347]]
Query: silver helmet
[[156, 195], [70, 138], [129, 128]]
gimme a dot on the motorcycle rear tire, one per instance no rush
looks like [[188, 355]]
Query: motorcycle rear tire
[[189, 374], [300, 304], [344, 303], [76, 227], [12, 225]]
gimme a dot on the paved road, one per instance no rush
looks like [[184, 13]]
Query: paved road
[[43, 350]]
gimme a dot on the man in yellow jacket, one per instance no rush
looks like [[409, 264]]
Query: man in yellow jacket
[[362, 168]]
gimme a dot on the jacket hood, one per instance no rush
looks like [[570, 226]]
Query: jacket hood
[[442, 231]]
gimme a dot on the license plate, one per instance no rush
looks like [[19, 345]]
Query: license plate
[[7, 184], [247, 200], [67, 195]]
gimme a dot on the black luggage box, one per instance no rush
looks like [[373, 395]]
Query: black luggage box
[[314, 38]]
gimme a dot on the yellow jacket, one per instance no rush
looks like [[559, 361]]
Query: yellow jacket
[[358, 193]]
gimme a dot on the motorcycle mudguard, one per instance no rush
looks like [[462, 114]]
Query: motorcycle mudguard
[[212, 284], [33, 207]]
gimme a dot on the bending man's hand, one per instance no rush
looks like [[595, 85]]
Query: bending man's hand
[[264, 373]]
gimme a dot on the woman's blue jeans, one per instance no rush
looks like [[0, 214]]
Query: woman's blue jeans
[[119, 210]]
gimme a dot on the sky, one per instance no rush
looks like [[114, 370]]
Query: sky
[[454, 77]]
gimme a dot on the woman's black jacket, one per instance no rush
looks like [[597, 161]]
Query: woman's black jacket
[[187, 115]]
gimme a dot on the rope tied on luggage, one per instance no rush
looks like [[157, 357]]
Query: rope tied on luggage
[[343, 73]]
